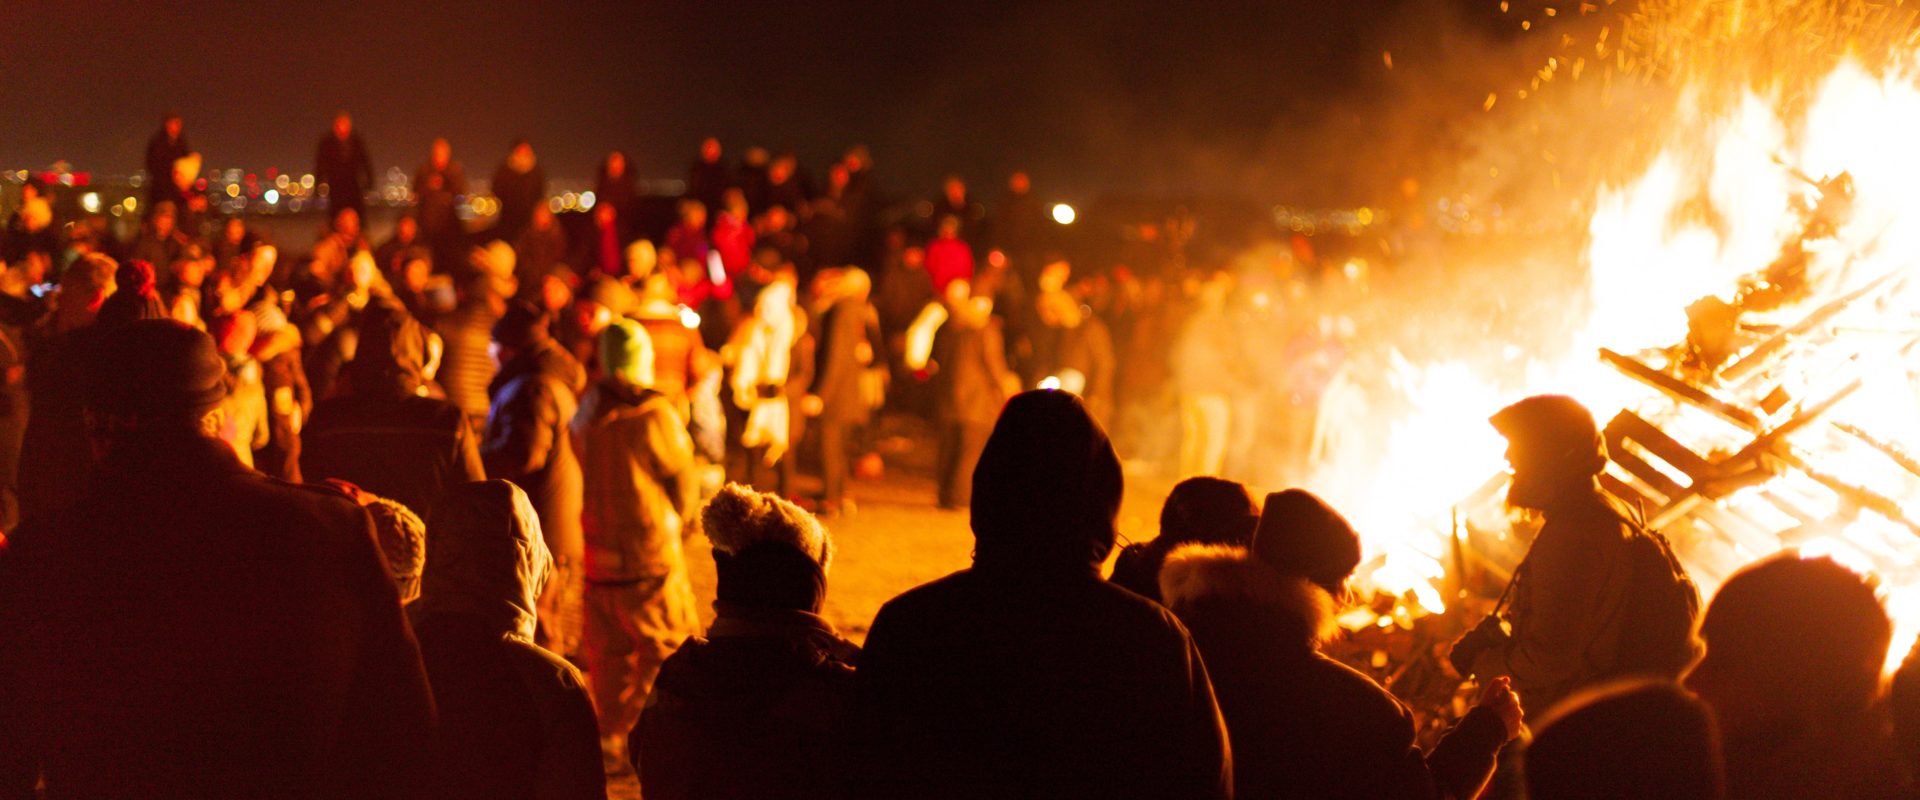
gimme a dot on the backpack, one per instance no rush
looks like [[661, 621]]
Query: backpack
[[1660, 618]]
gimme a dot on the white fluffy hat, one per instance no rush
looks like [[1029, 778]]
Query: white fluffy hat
[[739, 517]]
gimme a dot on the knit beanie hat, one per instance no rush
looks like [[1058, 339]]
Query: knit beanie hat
[[1207, 509], [403, 540], [1300, 535], [626, 351], [155, 367], [524, 325]]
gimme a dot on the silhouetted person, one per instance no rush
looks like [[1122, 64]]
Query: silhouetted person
[[709, 177], [438, 186], [468, 366], [759, 707], [1570, 589], [191, 628], [616, 188], [1645, 739], [515, 720], [341, 163], [54, 460], [1027, 675], [169, 144], [637, 460], [1795, 650], [535, 396], [849, 341], [383, 434], [520, 186], [1198, 511], [971, 383], [1305, 725]]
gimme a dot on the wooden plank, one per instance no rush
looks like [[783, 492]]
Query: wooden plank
[[1681, 390]]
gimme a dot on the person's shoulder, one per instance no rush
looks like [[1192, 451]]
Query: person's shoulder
[[541, 668], [934, 594]]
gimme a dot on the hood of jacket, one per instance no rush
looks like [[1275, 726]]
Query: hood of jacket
[[485, 557], [391, 357], [1201, 581], [548, 359], [1046, 489]]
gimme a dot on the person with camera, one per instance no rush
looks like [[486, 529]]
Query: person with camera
[[1561, 626]]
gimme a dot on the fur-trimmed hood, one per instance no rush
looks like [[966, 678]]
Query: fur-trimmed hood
[[1203, 580]]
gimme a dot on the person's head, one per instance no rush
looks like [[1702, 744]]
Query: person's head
[[153, 378], [955, 190], [495, 258], [1636, 739], [190, 270], [913, 257], [486, 559], [1554, 448], [172, 125], [520, 155], [626, 353], [1792, 638], [84, 285], [1019, 183], [440, 153], [234, 230], [556, 289], [406, 229], [782, 169], [693, 213], [162, 219], [346, 223], [734, 202], [768, 553], [391, 358], [1209, 510], [615, 166], [838, 177], [776, 219], [710, 150], [525, 327], [605, 215], [1053, 277], [260, 264], [1046, 489], [642, 257], [542, 217], [342, 125], [416, 269], [1300, 536], [949, 227]]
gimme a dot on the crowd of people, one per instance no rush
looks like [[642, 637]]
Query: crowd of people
[[318, 527]]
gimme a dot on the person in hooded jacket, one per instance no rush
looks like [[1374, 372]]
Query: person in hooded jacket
[[1200, 510], [535, 396], [1637, 738], [190, 628], [638, 462], [384, 435], [759, 707], [516, 722], [1028, 675], [1305, 725]]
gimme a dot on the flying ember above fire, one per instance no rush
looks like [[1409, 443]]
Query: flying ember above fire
[[1751, 335]]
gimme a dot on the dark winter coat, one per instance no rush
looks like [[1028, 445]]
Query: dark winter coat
[[55, 456], [848, 324], [515, 720], [384, 436], [757, 709], [528, 442], [1304, 725], [193, 629], [970, 383], [1027, 675], [346, 170], [518, 193], [161, 153]]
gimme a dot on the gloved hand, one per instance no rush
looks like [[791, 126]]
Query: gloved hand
[[1487, 635]]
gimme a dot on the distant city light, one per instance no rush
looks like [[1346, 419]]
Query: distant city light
[[233, 190], [1063, 213], [272, 196], [587, 200], [130, 204], [689, 318], [282, 181], [91, 202], [306, 181]]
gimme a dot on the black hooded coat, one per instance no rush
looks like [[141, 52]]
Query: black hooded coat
[[1027, 675], [383, 435]]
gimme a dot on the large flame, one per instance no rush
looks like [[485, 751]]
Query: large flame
[[1729, 186]]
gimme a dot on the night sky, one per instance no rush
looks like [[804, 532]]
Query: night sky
[[1289, 100]]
